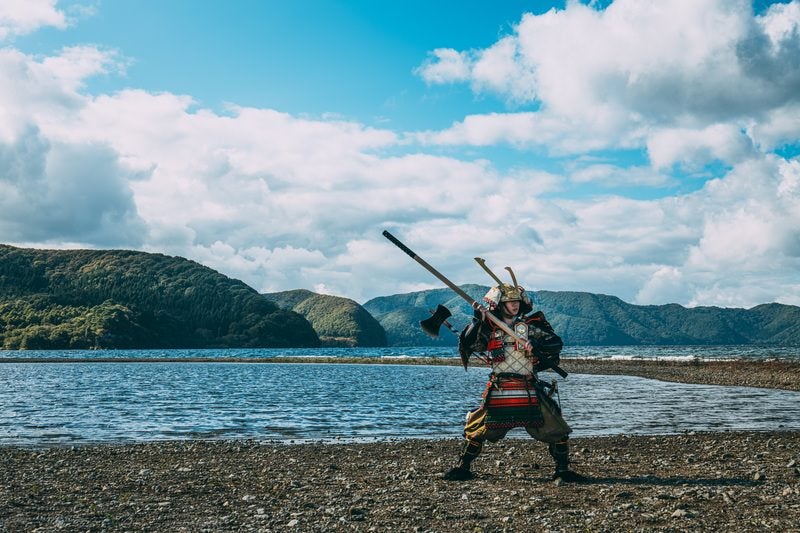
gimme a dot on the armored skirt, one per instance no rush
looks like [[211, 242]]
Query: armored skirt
[[510, 402]]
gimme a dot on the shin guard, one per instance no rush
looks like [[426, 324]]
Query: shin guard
[[560, 453]]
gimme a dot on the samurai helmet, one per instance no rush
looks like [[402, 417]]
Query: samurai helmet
[[505, 292], [509, 293]]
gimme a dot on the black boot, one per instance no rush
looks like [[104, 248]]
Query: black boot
[[459, 473], [462, 472], [560, 453]]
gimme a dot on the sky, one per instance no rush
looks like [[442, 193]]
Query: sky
[[646, 149]]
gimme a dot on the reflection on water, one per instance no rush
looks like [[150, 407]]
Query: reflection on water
[[50, 403]]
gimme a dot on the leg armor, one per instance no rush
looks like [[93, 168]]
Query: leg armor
[[469, 453], [560, 453]]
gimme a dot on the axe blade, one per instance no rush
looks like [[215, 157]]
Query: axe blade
[[431, 325]]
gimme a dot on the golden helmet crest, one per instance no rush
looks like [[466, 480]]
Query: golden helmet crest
[[510, 293]]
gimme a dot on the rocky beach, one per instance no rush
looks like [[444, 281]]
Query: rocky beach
[[746, 481]]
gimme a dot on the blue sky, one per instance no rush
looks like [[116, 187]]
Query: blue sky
[[643, 149], [281, 54]]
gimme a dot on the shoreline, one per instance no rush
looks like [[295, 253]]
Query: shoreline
[[775, 374]]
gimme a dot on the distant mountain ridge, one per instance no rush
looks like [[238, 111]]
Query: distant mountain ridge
[[338, 321], [79, 299], [84, 299], [595, 319]]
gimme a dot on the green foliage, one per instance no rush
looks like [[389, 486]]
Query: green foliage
[[595, 319], [338, 321], [53, 299]]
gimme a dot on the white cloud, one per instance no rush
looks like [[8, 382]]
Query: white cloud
[[635, 74], [53, 192], [19, 17], [561, 135], [754, 220], [616, 176], [46, 92], [503, 69], [282, 201], [745, 247], [778, 127], [665, 284], [697, 147], [74, 64], [444, 65], [276, 200]]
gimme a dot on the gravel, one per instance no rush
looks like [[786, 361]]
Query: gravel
[[726, 481]]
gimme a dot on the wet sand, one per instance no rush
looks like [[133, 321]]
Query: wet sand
[[768, 374]]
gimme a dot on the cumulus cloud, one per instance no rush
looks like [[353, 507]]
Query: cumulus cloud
[[55, 188], [616, 176], [53, 193], [19, 17], [445, 65], [778, 127], [283, 201], [732, 243], [743, 242], [697, 147], [630, 74], [693, 83], [46, 92], [270, 198]]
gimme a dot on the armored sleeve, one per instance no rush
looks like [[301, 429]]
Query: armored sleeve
[[544, 339], [472, 338]]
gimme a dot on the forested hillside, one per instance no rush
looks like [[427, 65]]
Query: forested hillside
[[83, 299], [599, 319], [79, 299], [338, 321], [595, 319]]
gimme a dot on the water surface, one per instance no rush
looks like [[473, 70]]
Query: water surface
[[57, 404]]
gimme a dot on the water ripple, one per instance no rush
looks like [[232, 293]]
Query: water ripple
[[51, 403]]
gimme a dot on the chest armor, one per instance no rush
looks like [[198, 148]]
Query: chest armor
[[505, 356]]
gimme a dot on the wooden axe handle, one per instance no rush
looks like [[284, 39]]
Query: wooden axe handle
[[497, 322], [427, 267]]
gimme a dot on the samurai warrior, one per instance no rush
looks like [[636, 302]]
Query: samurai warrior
[[514, 396]]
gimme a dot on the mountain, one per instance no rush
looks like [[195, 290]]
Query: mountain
[[83, 299], [338, 321], [79, 299], [401, 314], [596, 319]]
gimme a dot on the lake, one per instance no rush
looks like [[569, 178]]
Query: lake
[[49, 403]]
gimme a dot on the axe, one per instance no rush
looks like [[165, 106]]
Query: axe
[[431, 327], [432, 324], [496, 321]]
